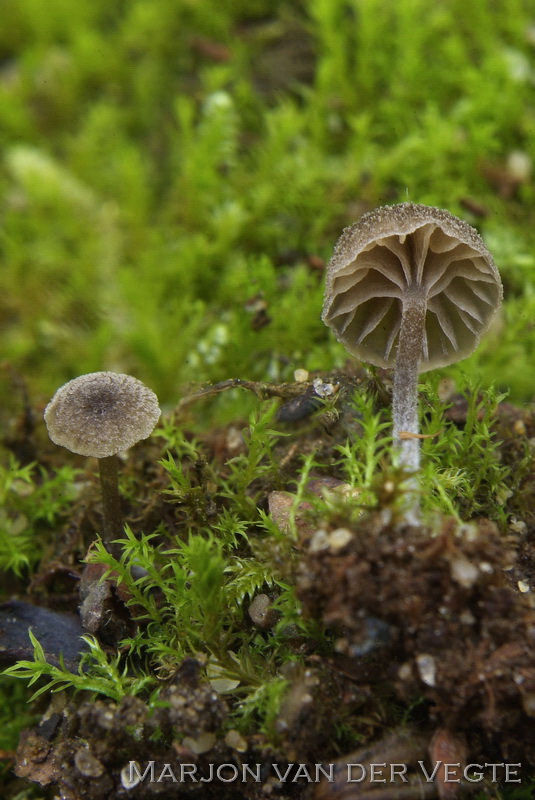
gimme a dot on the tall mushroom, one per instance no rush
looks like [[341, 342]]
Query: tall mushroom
[[411, 287], [98, 415]]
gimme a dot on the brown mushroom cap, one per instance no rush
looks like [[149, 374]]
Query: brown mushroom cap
[[101, 413], [405, 250]]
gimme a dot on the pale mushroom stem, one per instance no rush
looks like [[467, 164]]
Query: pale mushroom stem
[[405, 393], [109, 484]]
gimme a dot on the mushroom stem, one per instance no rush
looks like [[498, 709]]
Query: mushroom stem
[[405, 393], [109, 484]]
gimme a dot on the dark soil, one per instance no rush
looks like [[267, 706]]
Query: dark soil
[[432, 648]]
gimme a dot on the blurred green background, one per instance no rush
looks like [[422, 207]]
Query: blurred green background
[[174, 173]]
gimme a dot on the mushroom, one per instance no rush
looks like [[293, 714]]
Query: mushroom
[[411, 287], [98, 415]]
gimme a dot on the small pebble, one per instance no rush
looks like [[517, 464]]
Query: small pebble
[[262, 613], [338, 539], [427, 669], [319, 542], [323, 389], [129, 776], [464, 572], [235, 740], [517, 526], [519, 428], [201, 744], [87, 764]]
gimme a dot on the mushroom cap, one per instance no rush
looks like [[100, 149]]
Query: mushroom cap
[[398, 253], [101, 413]]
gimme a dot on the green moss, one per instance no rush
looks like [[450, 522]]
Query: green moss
[[155, 176], [31, 503]]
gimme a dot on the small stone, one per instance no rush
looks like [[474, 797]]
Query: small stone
[[518, 526], [235, 740], [375, 635], [235, 440], [464, 572], [427, 669], [467, 618], [338, 539], [323, 389], [201, 744], [301, 375], [262, 613], [319, 542], [341, 645], [130, 776], [280, 505], [87, 764], [523, 586], [468, 531], [405, 672], [519, 428]]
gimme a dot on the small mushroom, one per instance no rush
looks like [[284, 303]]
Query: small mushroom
[[98, 415], [411, 287]]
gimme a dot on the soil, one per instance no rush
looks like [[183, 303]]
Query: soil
[[431, 628]]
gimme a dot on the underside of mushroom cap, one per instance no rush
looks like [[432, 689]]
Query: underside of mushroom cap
[[101, 413], [395, 254]]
